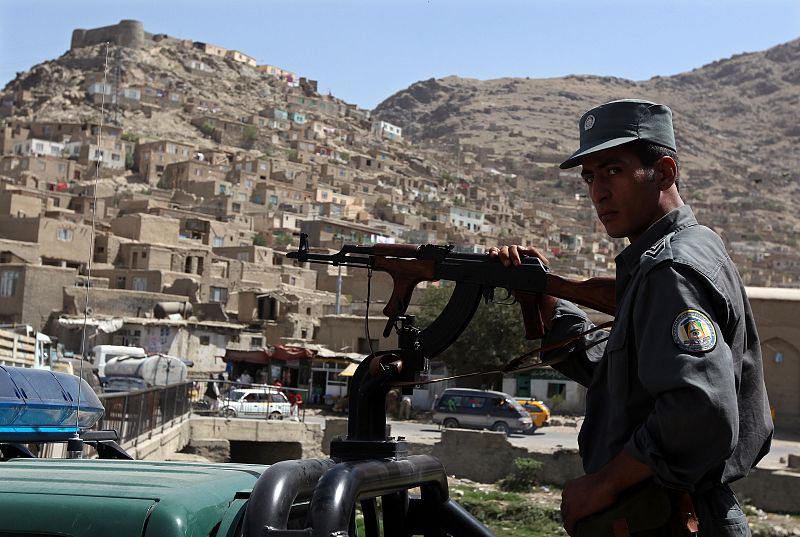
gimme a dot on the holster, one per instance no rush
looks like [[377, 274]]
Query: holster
[[647, 510]]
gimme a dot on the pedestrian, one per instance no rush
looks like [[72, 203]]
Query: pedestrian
[[676, 407], [211, 395], [245, 378], [293, 406], [405, 408]]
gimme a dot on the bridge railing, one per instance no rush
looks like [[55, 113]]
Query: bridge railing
[[141, 414]]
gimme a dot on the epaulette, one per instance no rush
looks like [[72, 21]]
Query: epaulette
[[658, 253]]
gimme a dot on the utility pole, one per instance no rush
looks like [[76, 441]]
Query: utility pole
[[338, 309]]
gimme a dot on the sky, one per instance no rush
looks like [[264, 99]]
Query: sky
[[363, 51]]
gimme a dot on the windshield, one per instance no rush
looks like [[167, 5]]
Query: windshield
[[514, 404]]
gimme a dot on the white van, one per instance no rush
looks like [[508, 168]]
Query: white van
[[103, 353], [261, 402]]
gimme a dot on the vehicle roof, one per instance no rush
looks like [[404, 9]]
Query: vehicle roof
[[473, 391], [266, 389], [171, 498]]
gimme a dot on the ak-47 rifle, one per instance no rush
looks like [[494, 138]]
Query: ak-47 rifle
[[369, 460], [476, 276]]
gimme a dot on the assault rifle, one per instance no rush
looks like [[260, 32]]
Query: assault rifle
[[476, 277]]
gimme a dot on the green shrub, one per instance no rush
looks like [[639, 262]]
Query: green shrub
[[523, 477]]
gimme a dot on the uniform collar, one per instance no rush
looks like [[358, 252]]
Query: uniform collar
[[628, 259]]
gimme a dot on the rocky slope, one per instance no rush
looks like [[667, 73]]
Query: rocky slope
[[736, 119]]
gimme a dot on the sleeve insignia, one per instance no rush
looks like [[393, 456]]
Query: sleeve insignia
[[693, 331]]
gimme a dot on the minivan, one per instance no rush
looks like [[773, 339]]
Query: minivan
[[480, 409]]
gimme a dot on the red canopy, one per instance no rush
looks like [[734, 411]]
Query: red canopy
[[281, 352]]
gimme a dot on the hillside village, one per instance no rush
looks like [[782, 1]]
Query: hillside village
[[183, 171]]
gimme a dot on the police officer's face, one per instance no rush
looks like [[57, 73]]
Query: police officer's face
[[623, 191]]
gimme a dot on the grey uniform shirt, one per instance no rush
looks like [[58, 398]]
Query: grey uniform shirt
[[679, 384]]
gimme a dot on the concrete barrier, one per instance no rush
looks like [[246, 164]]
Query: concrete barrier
[[308, 436], [487, 456]]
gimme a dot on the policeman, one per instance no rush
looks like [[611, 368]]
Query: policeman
[[676, 397]]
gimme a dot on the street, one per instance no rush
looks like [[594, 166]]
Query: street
[[548, 438]]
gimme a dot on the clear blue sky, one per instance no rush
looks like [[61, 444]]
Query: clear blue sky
[[364, 51]]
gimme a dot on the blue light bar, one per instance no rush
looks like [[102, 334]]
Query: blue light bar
[[36, 404]]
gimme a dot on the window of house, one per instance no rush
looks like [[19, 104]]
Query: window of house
[[236, 207], [218, 294], [218, 242], [335, 380], [64, 234], [8, 282], [556, 389], [308, 311], [256, 342], [303, 333], [139, 283], [204, 340], [120, 282]]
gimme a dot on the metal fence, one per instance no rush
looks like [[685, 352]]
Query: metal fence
[[137, 415]]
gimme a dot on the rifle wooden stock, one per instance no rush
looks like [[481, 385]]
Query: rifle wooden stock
[[595, 293], [406, 274]]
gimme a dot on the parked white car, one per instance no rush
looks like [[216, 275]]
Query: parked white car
[[266, 402]]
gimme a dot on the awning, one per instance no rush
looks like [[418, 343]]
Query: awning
[[288, 353], [349, 371], [251, 357]]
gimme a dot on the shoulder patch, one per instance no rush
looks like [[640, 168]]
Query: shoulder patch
[[657, 248], [693, 331]]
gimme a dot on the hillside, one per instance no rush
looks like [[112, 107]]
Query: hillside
[[737, 116], [735, 120], [474, 155]]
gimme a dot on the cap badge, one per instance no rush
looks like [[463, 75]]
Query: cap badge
[[589, 123], [693, 331]]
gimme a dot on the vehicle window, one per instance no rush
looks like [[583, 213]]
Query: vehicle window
[[476, 402], [236, 394], [251, 397], [451, 402], [278, 398]]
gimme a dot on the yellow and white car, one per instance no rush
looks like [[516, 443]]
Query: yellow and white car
[[538, 411]]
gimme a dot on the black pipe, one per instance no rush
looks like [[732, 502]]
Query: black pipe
[[338, 490], [276, 490], [458, 521]]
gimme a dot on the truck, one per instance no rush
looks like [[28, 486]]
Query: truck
[[101, 354], [115, 495], [130, 373], [21, 346]]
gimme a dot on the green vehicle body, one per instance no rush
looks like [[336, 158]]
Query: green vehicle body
[[123, 498]]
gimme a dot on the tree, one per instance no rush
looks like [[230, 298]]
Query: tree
[[495, 335], [260, 240], [207, 128], [250, 135]]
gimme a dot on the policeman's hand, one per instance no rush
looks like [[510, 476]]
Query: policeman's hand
[[583, 497], [513, 254]]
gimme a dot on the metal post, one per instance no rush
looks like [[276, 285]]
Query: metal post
[[338, 290]]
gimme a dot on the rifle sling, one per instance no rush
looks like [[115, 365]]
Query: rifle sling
[[512, 366]]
